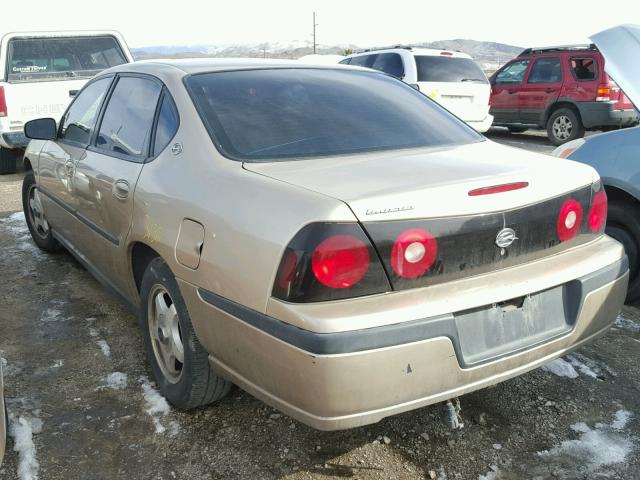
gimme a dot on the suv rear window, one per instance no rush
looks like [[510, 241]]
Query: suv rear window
[[448, 69], [584, 68], [32, 59], [278, 114]]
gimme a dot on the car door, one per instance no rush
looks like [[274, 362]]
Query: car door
[[505, 85], [56, 165], [541, 88], [106, 176]]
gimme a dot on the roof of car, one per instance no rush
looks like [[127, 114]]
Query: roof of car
[[202, 65], [413, 51]]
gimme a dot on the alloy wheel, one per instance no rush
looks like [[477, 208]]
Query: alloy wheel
[[36, 213], [165, 332], [562, 127]]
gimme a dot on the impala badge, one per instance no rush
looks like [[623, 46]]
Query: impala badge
[[505, 237]]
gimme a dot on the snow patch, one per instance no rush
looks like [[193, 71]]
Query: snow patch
[[16, 224], [601, 446], [561, 368], [104, 346], [582, 367], [627, 323], [492, 474], [157, 407], [22, 429], [116, 381]]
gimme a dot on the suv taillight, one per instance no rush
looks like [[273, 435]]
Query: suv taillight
[[3, 103], [603, 93], [329, 261]]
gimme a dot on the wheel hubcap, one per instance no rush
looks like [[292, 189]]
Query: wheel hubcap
[[562, 127], [36, 214], [166, 336]]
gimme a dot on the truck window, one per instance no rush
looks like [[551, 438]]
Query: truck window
[[546, 70], [584, 68], [34, 59], [514, 73], [390, 63]]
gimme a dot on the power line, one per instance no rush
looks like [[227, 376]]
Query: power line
[[314, 32]]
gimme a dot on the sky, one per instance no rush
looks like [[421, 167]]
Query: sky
[[363, 23]]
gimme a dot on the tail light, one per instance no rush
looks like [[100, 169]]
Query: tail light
[[598, 212], [603, 93], [413, 253], [329, 261], [569, 220], [3, 103]]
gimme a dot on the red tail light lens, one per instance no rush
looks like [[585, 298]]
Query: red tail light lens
[[3, 103], [413, 253], [603, 93], [569, 220], [340, 261], [598, 212]]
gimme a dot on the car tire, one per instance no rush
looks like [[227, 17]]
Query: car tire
[[564, 125], [517, 129], [169, 337], [8, 161], [34, 216], [623, 224]]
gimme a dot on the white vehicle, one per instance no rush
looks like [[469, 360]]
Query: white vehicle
[[40, 72], [452, 79]]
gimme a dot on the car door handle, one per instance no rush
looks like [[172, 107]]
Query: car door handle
[[120, 189], [550, 90], [511, 92], [73, 93]]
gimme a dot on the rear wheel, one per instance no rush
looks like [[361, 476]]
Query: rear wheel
[[623, 224], [178, 361], [563, 126], [8, 160], [34, 215]]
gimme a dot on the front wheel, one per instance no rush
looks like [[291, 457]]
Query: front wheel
[[179, 363], [34, 215], [623, 224], [563, 126]]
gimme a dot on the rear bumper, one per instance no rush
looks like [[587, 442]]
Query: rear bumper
[[604, 114], [352, 378], [13, 140], [482, 126]]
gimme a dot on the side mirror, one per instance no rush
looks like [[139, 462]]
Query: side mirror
[[41, 129]]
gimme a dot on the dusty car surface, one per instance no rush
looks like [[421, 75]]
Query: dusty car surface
[[615, 154], [327, 238]]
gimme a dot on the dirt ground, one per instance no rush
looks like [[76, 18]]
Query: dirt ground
[[81, 404]]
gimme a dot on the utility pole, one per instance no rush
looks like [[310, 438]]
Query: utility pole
[[314, 32]]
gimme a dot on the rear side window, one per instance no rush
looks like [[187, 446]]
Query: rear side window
[[32, 59], [513, 73], [584, 68], [79, 122], [167, 126], [128, 117], [280, 114], [545, 70], [346, 61], [390, 63], [363, 60], [433, 68]]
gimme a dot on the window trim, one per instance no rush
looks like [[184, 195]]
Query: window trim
[[585, 57], [9, 53], [107, 94], [524, 75], [92, 147], [528, 77]]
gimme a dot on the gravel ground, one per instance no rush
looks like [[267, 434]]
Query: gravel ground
[[81, 405]]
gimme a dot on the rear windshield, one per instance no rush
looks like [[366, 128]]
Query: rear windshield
[[448, 69], [275, 114], [32, 59]]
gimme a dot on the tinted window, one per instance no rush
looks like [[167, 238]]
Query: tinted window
[[513, 73], [448, 69], [346, 61], [584, 68], [167, 124], [284, 113], [390, 63], [126, 124], [78, 123], [46, 58], [545, 70], [363, 60]]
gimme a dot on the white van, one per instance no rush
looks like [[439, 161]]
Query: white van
[[452, 79], [40, 72]]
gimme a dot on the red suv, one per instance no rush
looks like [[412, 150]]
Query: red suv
[[562, 89]]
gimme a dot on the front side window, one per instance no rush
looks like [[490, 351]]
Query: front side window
[[513, 73], [126, 125], [390, 63], [546, 70], [279, 114], [584, 68], [79, 122], [432, 68], [33, 59]]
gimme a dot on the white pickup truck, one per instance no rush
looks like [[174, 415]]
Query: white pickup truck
[[40, 73]]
